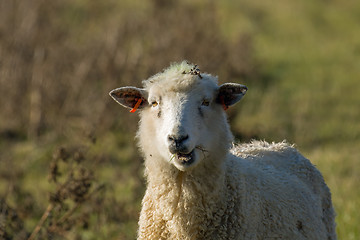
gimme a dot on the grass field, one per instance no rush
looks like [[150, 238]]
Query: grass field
[[69, 166]]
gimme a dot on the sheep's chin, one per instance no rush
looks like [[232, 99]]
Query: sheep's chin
[[185, 162]]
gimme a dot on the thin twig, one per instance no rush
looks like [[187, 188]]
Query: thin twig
[[72, 210], [41, 222], [202, 150]]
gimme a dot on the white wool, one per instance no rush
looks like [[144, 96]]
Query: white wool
[[248, 191]]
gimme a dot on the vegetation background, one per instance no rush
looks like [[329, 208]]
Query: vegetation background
[[69, 167]]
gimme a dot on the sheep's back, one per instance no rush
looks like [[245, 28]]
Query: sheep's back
[[282, 165], [285, 159]]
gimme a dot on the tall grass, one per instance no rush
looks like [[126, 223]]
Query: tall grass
[[59, 60]]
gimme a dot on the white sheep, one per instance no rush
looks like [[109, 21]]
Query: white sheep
[[200, 186]]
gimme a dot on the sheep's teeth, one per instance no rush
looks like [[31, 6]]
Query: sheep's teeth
[[184, 157]]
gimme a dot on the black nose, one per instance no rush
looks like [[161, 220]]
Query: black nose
[[177, 143]]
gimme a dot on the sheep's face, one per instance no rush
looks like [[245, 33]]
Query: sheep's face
[[182, 120]]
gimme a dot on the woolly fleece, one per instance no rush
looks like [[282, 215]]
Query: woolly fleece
[[268, 191], [248, 191]]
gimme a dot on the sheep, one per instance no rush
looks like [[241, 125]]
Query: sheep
[[200, 185]]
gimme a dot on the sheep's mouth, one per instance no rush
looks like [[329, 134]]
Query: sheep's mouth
[[185, 159]]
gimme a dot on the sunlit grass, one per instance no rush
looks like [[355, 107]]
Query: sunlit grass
[[306, 89], [339, 163]]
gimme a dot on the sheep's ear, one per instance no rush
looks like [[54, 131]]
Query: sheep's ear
[[230, 93], [130, 97]]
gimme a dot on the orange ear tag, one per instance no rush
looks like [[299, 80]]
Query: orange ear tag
[[225, 107], [136, 105]]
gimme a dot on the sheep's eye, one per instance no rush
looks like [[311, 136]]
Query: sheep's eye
[[154, 104], [205, 102]]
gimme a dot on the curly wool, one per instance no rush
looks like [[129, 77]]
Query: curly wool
[[263, 191], [250, 191]]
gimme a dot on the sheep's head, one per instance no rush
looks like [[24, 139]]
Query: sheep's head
[[182, 114]]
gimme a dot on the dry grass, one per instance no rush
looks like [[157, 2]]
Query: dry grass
[[69, 168]]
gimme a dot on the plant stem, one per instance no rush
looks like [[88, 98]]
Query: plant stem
[[41, 222]]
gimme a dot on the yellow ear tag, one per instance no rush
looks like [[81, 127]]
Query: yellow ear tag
[[136, 105]]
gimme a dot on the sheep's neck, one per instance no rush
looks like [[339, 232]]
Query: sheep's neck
[[178, 196], [179, 181], [200, 181]]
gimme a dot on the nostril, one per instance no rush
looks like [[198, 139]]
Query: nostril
[[183, 138], [177, 139], [177, 143]]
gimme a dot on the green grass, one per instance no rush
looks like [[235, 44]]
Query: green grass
[[299, 59], [339, 165]]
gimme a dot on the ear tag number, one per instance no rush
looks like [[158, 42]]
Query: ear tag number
[[136, 105]]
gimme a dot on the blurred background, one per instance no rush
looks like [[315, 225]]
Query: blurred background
[[69, 166]]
